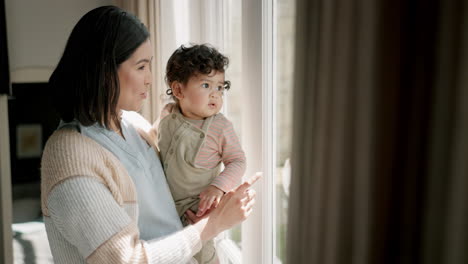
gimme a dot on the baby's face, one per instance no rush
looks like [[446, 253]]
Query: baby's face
[[202, 96]]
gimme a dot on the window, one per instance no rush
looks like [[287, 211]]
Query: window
[[258, 37], [275, 75]]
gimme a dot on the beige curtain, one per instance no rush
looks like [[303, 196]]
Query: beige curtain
[[445, 227], [380, 148], [148, 12]]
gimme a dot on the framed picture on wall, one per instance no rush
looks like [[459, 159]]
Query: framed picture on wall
[[28, 141]]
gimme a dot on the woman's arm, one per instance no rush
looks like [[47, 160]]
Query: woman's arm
[[234, 208], [87, 216]]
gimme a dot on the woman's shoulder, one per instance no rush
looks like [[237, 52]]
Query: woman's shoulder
[[68, 146], [69, 154], [69, 140]]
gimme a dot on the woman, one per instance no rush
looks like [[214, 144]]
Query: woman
[[104, 195]]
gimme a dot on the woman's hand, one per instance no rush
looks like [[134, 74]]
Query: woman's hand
[[192, 218], [209, 198], [234, 208]]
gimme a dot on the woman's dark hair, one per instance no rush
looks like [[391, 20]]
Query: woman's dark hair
[[187, 61], [85, 84]]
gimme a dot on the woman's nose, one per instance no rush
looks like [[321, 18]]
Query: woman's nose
[[149, 78]]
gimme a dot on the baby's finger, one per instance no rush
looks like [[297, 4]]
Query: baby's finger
[[201, 207], [189, 220], [209, 202], [200, 213], [202, 195], [216, 202], [191, 217]]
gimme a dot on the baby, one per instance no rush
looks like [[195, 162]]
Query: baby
[[195, 139]]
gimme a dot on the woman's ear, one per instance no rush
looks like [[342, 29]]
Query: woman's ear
[[177, 90]]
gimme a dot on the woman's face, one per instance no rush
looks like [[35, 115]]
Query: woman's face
[[135, 78]]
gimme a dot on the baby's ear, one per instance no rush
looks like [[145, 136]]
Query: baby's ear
[[177, 90]]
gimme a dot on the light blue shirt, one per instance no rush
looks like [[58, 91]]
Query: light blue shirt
[[157, 213]]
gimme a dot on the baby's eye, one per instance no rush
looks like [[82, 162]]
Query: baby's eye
[[141, 67], [205, 85], [220, 88]]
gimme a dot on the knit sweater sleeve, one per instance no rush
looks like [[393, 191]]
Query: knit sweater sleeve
[[86, 214]]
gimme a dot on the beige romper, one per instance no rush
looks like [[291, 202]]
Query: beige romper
[[179, 144]]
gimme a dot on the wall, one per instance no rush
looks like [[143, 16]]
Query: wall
[[37, 32]]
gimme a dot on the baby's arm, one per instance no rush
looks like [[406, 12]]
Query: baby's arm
[[234, 160], [234, 168]]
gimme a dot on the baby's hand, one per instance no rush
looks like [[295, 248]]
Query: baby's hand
[[209, 198]]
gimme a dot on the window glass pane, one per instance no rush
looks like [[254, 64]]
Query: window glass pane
[[284, 60]]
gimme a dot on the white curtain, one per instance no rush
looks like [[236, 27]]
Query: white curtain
[[380, 148], [148, 12]]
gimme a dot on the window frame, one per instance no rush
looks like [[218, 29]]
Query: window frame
[[258, 65], [259, 112], [258, 31]]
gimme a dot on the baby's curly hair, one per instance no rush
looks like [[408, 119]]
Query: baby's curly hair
[[190, 60]]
